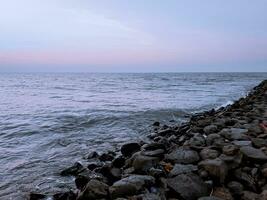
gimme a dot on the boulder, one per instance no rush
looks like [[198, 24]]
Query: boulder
[[188, 186], [216, 168], [73, 170], [259, 142], [70, 195], [182, 169], [242, 143], [142, 163], [210, 198], [94, 190], [209, 154], [130, 185], [253, 154], [222, 193], [153, 153], [235, 188], [230, 150], [182, 155], [234, 133], [118, 162], [36, 196], [128, 149], [210, 129], [197, 140], [248, 195]]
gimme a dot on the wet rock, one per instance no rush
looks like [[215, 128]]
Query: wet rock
[[70, 195], [128, 149], [188, 186], [154, 153], [216, 168], [143, 163], [209, 154], [210, 129], [246, 179], [183, 156], [241, 143], [230, 150], [156, 124], [232, 162], [253, 154], [259, 142], [248, 195], [106, 156], [197, 140], [130, 185], [182, 169], [73, 170], [112, 174], [166, 132], [210, 198], [153, 146], [234, 133], [93, 155], [215, 140], [36, 196], [94, 190], [84, 177], [94, 165], [222, 193], [264, 170], [147, 196], [155, 172], [118, 162], [235, 188]]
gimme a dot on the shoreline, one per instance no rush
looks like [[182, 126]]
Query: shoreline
[[217, 154]]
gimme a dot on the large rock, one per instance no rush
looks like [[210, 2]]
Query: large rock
[[130, 148], [94, 190], [73, 170], [197, 141], [143, 163], [234, 133], [183, 156], [210, 129], [216, 168], [253, 154], [130, 185], [188, 186], [235, 188], [222, 193], [209, 154], [182, 169]]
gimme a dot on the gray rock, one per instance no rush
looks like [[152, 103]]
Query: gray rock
[[129, 149], [183, 155], [94, 190], [241, 143], [155, 153], [223, 193], [216, 168], [182, 169], [197, 140], [210, 198], [253, 154], [209, 154], [130, 185], [234, 133], [230, 150], [143, 163], [246, 179], [235, 188], [210, 129], [259, 142], [188, 186], [248, 195]]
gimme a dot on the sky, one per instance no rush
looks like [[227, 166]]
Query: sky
[[133, 36]]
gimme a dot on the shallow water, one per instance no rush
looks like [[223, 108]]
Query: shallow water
[[48, 121]]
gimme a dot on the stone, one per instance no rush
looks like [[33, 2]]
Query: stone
[[209, 154], [130, 185], [182, 169], [153, 146], [156, 124], [234, 133], [106, 156], [253, 154], [222, 193], [93, 165], [143, 163], [94, 190], [246, 179], [210, 198], [210, 129], [93, 155], [73, 170], [248, 195], [230, 150], [153, 153], [128, 149], [183, 156], [235, 188], [36, 196], [259, 142], [263, 195], [70, 195], [241, 143], [85, 176], [147, 196], [188, 186], [216, 168], [118, 162], [197, 140]]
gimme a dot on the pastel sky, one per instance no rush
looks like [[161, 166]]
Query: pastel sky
[[133, 36]]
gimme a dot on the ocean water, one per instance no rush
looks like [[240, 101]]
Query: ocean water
[[49, 121]]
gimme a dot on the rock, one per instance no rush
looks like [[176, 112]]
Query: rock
[[183, 156], [188, 186], [118, 162], [130, 185], [143, 163], [106, 156], [156, 124], [246, 179], [128, 149], [222, 193], [215, 140], [73, 170], [232, 162], [259, 142], [235, 188], [197, 140], [208, 154], [210, 129], [263, 195], [85, 176], [153, 153], [36, 196], [94, 190], [216, 168], [234, 133], [253, 154], [93, 165], [70, 195], [247, 195], [264, 170], [230, 150], [147, 196], [241, 143], [210, 198], [153, 146], [93, 155], [182, 169]]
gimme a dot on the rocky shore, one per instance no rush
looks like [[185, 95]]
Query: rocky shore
[[217, 155]]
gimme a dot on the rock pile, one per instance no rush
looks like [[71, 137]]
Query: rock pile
[[217, 155]]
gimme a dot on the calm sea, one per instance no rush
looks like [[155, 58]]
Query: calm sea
[[49, 121]]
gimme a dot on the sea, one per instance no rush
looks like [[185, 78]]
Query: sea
[[48, 121]]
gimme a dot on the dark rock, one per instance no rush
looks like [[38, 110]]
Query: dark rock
[[147, 196], [209, 154], [253, 154], [230, 150], [94, 190], [248, 195], [183, 156], [241, 143], [128, 149], [246, 179], [232, 162], [182, 169], [210, 129], [234, 133], [93, 165], [210, 198], [74, 170], [36, 196], [70, 195], [106, 156], [156, 172], [153, 146], [197, 140], [118, 162], [130, 185], [154, 153], [222, 193], [166, 132], [143, 163], [156, 124], [188, 186], [235, 188], [84, 177], [216, 168], [92, 155], [259, 142]]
